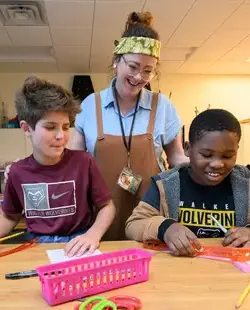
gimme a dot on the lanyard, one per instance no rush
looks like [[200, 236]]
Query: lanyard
[[127, 144]]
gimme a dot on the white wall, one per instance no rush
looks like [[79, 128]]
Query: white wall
[[188, 91], [227, 92], [11, 82], [13, 143]]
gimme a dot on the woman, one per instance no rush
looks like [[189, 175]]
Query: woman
[[127, 127]]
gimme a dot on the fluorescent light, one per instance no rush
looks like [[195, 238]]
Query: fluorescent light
[[27, 54]]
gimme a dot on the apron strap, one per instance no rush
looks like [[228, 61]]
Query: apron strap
[[151, 123], [98, 107]]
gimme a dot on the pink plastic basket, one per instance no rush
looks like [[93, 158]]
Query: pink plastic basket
[[65, 281]]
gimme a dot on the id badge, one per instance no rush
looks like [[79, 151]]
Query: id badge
[[129, 181]]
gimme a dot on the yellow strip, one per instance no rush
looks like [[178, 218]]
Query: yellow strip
[[201, 218], [243, 296], [11, 236]]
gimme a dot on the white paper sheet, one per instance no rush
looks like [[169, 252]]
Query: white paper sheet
[[57, 256]]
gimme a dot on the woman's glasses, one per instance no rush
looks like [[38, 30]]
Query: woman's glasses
[[133, 69]]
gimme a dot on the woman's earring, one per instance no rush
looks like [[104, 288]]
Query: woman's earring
[[114, 66]]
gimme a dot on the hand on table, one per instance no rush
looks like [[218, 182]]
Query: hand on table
[[180, 239], [236, 237], [86, 243]]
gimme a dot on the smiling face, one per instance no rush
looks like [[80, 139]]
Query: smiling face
[[134, 71], [213, 156]]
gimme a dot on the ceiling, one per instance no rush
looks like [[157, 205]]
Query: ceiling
[[198, 36]]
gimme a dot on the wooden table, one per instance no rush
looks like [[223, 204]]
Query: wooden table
[[175, 283]]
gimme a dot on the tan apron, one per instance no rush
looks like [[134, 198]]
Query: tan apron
[[111, 155]]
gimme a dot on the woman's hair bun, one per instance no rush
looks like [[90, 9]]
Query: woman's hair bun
[[144, 18]]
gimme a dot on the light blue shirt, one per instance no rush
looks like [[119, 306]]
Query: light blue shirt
[[167, 123]]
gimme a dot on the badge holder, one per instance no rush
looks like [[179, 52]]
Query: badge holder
[[128, 180]]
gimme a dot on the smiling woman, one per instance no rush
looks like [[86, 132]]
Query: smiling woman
[[127, 127]]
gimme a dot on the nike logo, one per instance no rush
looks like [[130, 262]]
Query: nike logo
[[60, 195]]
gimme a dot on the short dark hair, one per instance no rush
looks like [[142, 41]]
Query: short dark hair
[[213, 120], [38, 97]]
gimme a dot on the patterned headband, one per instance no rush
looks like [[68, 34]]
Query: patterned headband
[[138, 45]]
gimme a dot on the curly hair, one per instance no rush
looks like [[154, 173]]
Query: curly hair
[[38, 96]]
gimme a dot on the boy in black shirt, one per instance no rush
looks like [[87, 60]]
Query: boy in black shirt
[[178, 205]]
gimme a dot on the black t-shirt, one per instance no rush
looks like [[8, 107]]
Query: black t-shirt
[[198, 202]]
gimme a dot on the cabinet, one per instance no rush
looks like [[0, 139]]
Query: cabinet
[[13, 145]]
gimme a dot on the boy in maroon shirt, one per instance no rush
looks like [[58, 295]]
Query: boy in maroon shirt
[[55, 188]]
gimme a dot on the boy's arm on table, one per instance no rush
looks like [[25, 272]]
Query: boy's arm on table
[[8, 222], [100, 198], [89, 241], [146, 221], [104, 219], [11, 211]]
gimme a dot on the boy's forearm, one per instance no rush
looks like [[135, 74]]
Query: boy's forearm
[[7, 223], [103, 220]]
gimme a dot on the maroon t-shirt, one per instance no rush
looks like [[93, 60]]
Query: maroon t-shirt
[[58, 199]]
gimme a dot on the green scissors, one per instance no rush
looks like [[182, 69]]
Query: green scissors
[[100, 305]]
